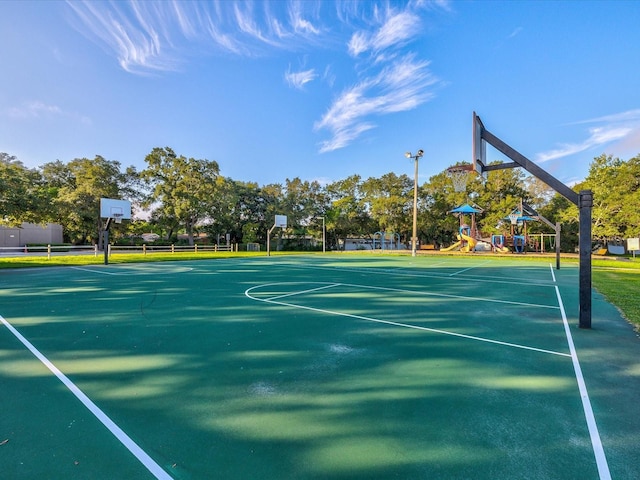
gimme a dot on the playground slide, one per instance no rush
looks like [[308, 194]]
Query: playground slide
[[495, 247], [501, 249], [455, 246], [471, 243]]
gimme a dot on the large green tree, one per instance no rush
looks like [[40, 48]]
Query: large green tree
[[75, 189], [347, 214], [22, 195], [390, 203], [181, 189]]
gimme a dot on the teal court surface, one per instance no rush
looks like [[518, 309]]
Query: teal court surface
[[314, 367]]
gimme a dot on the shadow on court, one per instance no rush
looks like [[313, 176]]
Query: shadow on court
[[314, 367]]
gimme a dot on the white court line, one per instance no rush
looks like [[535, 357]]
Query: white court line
[[467, 269], [138, 271], [96, 271], [306, 291], [449, 295], [133, 447], [596, 442], [397, 324], [400, 273]]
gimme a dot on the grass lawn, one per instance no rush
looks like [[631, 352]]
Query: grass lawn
[[620, 286]]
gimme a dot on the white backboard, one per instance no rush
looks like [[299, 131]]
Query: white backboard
[[281, 221], [112, 208]]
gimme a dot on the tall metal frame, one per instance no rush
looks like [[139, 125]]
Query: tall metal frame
[[583, 200]]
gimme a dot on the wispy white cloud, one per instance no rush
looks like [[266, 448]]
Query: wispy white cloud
[[619, 127], [395, 30], [40, 110], [627, 116], [298, 20], [516, 31], [400, 86], [157, 36], [394, 80], [34, 109], [299, 79], [136, 40], [597, 136]]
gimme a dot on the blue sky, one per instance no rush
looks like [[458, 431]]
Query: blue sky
[[320, 90]]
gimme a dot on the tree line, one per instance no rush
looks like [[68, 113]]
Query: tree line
[[174, 194]]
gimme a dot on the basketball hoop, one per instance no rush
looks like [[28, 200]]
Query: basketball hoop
[[459, 176], [513, 217], [117, 217]]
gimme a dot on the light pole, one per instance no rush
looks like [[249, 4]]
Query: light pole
[[414, 237]]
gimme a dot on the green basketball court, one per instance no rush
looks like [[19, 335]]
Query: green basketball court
[[314, 367]]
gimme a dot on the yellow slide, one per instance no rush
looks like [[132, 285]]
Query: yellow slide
[[452, 247], [471, 243]]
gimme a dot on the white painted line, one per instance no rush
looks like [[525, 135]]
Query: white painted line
[[596, 442], [96, 271], [458, 297], [431, 274], [553, 275], [467, 269], [305, 291], [133, 447], [397, 324], [138, 271]]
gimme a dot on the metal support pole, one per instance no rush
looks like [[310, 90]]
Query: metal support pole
[[557, 245], [324, 236], [269, 240], [584, 208], [414, 238], [105, 241], [105, 238]]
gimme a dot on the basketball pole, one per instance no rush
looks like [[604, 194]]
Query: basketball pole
[[583, 200], [105, 240], [269, 240]]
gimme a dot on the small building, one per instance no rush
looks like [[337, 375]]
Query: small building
[[350, 244], [29, 234]]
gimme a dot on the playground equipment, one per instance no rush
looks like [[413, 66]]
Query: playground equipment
[[518, 221], [616, 246], [519, 242], [469, 239], [498, 244], [519, 218], [466, 233]]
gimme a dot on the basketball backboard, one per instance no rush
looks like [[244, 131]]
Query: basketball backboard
[[281, 221], [479, 146], [113, 208]]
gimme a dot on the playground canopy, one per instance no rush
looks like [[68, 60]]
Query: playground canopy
[[466, 208]]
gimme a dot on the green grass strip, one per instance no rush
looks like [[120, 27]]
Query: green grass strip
[[618, 280]]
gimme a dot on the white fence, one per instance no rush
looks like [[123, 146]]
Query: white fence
[[50, 250]]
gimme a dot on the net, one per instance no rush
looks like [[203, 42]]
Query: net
[[459, 176], [513, 217], [117, 217]]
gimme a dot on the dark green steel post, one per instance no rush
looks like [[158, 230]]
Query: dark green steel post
[[584, 207]]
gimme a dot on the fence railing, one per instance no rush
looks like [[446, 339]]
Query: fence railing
[[49, 250], [144, 249]]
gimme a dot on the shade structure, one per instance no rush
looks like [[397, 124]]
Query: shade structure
[[466, 208]]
